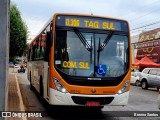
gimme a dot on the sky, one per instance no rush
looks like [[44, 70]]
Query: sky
[[142, 15]]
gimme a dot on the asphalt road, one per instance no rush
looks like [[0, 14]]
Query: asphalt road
[[139, 101]]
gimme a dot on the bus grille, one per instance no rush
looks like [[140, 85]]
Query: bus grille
[[83, 100]]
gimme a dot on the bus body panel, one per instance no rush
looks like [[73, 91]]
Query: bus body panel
[[39, 70], [46, 80], [59, 98]]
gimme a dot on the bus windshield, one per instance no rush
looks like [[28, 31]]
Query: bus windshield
[[101, 54]]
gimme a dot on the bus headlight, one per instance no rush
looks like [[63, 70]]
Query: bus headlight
[[124, 88], [59, 86]]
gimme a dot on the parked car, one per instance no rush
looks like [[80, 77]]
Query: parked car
[[16, 66], [150, 77], [11, 64], [135, 78]]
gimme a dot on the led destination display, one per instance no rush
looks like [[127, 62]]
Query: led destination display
[[92, 22]]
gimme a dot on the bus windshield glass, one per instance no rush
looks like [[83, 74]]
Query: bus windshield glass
[[91, 53]]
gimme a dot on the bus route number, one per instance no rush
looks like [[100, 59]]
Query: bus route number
[[72, 22]]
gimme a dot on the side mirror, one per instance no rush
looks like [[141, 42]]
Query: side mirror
[[49, 42], [49, 38]]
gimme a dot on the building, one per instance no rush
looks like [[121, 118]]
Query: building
[[149, 45]]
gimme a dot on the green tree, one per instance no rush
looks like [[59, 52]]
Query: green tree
[[18, 33]]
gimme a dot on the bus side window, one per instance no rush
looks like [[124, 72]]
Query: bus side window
[[29, 54], [41, 46], [37, 49], [33, 53]]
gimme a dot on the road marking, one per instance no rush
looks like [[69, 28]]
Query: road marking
[[20, 98]]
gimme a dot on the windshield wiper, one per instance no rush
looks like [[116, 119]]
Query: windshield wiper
[[105, 42], [98, 50], [102, 46], [85, 42]]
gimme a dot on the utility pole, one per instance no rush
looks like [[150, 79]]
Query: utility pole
[[4, 53]]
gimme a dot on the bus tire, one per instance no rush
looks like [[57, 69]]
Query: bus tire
[[41, 86], [31, 86]]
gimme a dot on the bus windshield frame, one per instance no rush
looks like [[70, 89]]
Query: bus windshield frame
[[95, 60], [93, 57]]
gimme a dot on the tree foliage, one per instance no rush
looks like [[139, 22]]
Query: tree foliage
[[18, 33]]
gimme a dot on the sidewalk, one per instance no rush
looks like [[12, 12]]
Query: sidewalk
[[15, 102], [13, 70], [13, 98]]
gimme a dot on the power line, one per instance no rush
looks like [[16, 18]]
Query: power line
[[141, 8], [146, 21], [146, 25], [142, 16]]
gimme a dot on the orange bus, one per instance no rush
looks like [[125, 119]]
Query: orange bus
[[81, 60]]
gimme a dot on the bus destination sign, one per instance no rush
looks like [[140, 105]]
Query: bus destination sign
[[91, 22]]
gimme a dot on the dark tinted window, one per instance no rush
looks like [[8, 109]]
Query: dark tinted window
[[39, 48]]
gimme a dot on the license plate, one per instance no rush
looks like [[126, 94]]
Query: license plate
[[89, 103]]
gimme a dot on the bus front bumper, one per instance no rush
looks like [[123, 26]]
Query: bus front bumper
[[59, 98]]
